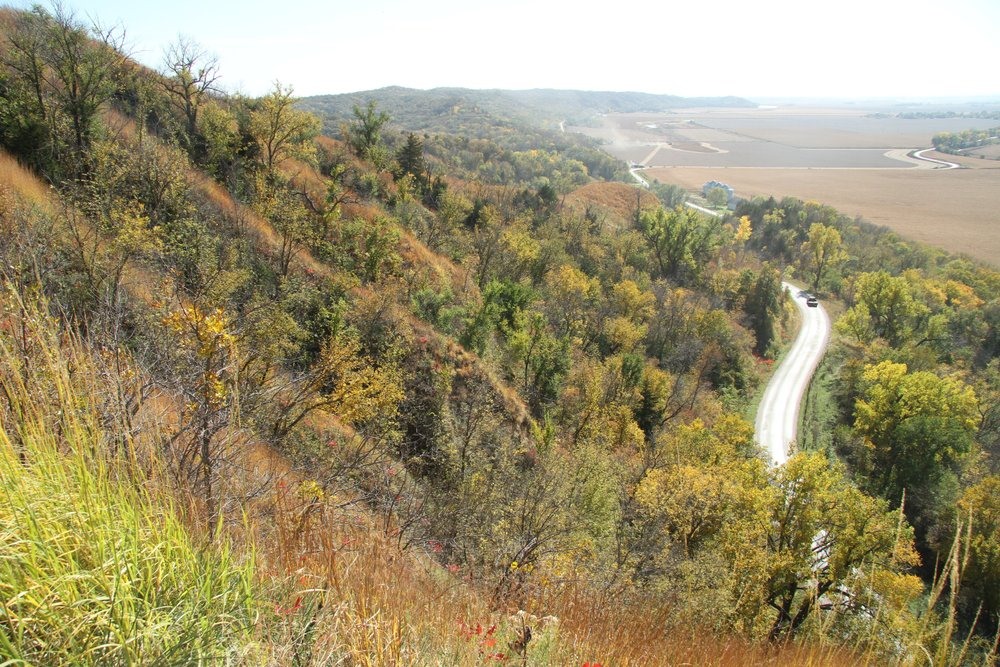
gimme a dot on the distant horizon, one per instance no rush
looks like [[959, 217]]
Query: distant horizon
[[774, 49], [984, 99]]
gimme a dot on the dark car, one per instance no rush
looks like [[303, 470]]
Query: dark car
[[812, 302]]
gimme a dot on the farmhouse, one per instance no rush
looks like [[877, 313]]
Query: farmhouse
[[712, 185]]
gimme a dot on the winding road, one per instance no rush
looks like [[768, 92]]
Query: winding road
[[776, 426], [777, 420], [943, 163]]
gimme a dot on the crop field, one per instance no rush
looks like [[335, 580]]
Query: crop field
[[954, 209], [991, 152], [859, 161]]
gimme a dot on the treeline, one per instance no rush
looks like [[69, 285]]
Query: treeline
[[956, 142], [542, 395], [984, 113]]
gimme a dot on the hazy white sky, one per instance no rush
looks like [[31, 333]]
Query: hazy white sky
[[800, 48]]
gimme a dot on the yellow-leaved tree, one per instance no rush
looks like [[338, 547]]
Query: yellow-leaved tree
[[822, 250], [208, 359]]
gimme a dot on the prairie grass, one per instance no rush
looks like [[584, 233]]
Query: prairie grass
[[618, 199], [357, 599], [96, 567], [24, 183], [353, 596], [418, 258]]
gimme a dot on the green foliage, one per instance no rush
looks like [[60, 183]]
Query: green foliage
[[67, 70], [538, 359], [955, 142], [219, 130], [828, 541], [717, 198], [280, 130], [576, 436], [432, 305], [884, 307], [682, 241], [981, 502], [510, 298], [670, 196], [364, 134], [917, 430], [763, 305], [190, 81], [411, 159], [276, 203], [822, 250]]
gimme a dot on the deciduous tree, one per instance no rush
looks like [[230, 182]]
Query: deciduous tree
[[916, 427], [191, 74], [682, 241], [829, 545], [823, 250], [280, 130], [69, 69], [891, 309]]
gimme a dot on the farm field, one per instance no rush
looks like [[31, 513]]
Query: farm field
[[954, 209], [991, 152], [858, 160]]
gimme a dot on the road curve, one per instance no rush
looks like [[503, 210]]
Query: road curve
[[777, 420], [945, 164]]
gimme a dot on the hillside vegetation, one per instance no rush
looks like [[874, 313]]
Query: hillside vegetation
[[439, 107], [271, 396]]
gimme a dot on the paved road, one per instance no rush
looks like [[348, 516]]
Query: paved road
[[778, 415], [642, 181], [776, 426], [947, 165], [707, 211]]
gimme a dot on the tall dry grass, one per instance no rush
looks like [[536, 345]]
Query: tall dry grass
[[96, 567], [352, 596], [24, 183]]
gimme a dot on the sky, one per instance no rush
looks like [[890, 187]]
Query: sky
[[854, 49]]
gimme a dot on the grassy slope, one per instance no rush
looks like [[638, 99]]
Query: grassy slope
[[96, 569]]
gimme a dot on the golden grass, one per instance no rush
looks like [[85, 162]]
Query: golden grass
[[244, 217], [416, 255], [618, 198], [369, 602], [361, 210], [305, 177], [24, 183], [97, 567], [330, 145], [954, 209], [29, 188], [332, 582], [608, 632]]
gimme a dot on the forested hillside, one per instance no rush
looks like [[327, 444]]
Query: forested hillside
[[279, 389], [425, 109]]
